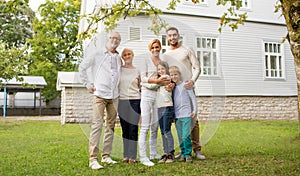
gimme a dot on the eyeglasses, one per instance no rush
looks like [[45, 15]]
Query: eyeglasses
[[115, 38]]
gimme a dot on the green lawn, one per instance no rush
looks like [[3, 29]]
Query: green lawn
[[237, 148]]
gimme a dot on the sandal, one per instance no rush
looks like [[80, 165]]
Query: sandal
[[125, 160]]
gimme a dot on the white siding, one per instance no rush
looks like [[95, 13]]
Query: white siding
[[241, 55], [260, 10]]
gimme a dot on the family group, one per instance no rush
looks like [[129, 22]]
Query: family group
[[158, 93]]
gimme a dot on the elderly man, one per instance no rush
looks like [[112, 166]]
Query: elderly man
[[106, 66]]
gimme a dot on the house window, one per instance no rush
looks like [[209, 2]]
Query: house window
[[273, 60], [191, 2], [246, 4], [165, 43], [207, 54], [134, 33]]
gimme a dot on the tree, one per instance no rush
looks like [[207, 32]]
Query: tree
[[110, 15], [15, 20], [54, 45], [15, 29], [13, 62]]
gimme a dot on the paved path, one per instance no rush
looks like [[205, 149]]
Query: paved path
[[31, 117]]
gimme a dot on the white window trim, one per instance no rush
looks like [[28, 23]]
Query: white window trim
[[249, 8], [218, 75], [282, 61], [129, 36], [190, 3]]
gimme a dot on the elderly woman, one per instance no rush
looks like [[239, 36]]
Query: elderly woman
[[129, 105]]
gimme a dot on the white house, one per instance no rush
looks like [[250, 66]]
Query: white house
[[246, 74]]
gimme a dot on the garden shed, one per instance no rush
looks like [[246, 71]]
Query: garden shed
[[76, 102], [28, 84]]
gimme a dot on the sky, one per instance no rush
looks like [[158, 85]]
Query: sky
[[34, 4]]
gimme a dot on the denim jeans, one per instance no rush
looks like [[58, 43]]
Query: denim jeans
[[149, 121], [129, 112], [166, 115]]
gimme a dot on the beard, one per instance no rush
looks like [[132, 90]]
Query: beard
[[174, 44]]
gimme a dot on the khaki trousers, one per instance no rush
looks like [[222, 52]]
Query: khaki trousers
[[195, 134], [100, 105]]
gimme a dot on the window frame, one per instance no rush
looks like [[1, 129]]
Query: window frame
[[215, 50], [267, 61], [243, 7], [190, 3]]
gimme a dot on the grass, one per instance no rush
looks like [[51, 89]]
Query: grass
[[237, 148]]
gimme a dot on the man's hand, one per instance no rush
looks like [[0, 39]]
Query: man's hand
[[92, 89], [189, 84]]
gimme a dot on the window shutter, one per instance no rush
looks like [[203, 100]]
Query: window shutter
[[134, 33]]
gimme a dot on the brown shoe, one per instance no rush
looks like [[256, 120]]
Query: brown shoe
[[163, 158], [125, 160], [170, 159], [131, 161]]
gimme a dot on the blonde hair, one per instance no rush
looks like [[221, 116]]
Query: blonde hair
[[127, 49], [174, 69], [152, 42]]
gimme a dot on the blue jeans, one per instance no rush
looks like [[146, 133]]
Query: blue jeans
[[129, 112], [166, 115], [183, 127]]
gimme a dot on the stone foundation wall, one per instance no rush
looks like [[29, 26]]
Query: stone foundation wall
[[247, 107], [77, 107]]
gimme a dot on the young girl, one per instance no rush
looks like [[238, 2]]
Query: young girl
[[185, 105], [165, 114]]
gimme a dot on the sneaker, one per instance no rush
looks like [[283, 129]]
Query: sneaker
[[147, 162], [170, 158], [163, 158], [199, 155], [188, 159], [95, 165], [181, 159], [178, 156], [108, 160]]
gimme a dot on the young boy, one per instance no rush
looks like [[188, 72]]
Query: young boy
[[185, 105]]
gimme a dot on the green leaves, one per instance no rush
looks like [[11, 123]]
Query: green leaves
[[55, 46], [13, 62], [15, 20], [232, 18]]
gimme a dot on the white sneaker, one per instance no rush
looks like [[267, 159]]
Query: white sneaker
[[108, 160], [199, 155], [155, 157], [147, 162], [95, 165]]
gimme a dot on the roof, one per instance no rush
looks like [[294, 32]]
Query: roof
[[68, 79], [35, 83]]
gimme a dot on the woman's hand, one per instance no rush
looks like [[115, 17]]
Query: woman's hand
[[163, 81], [169, 87]]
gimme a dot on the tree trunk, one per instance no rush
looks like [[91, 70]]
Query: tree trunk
[[291, 12]]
